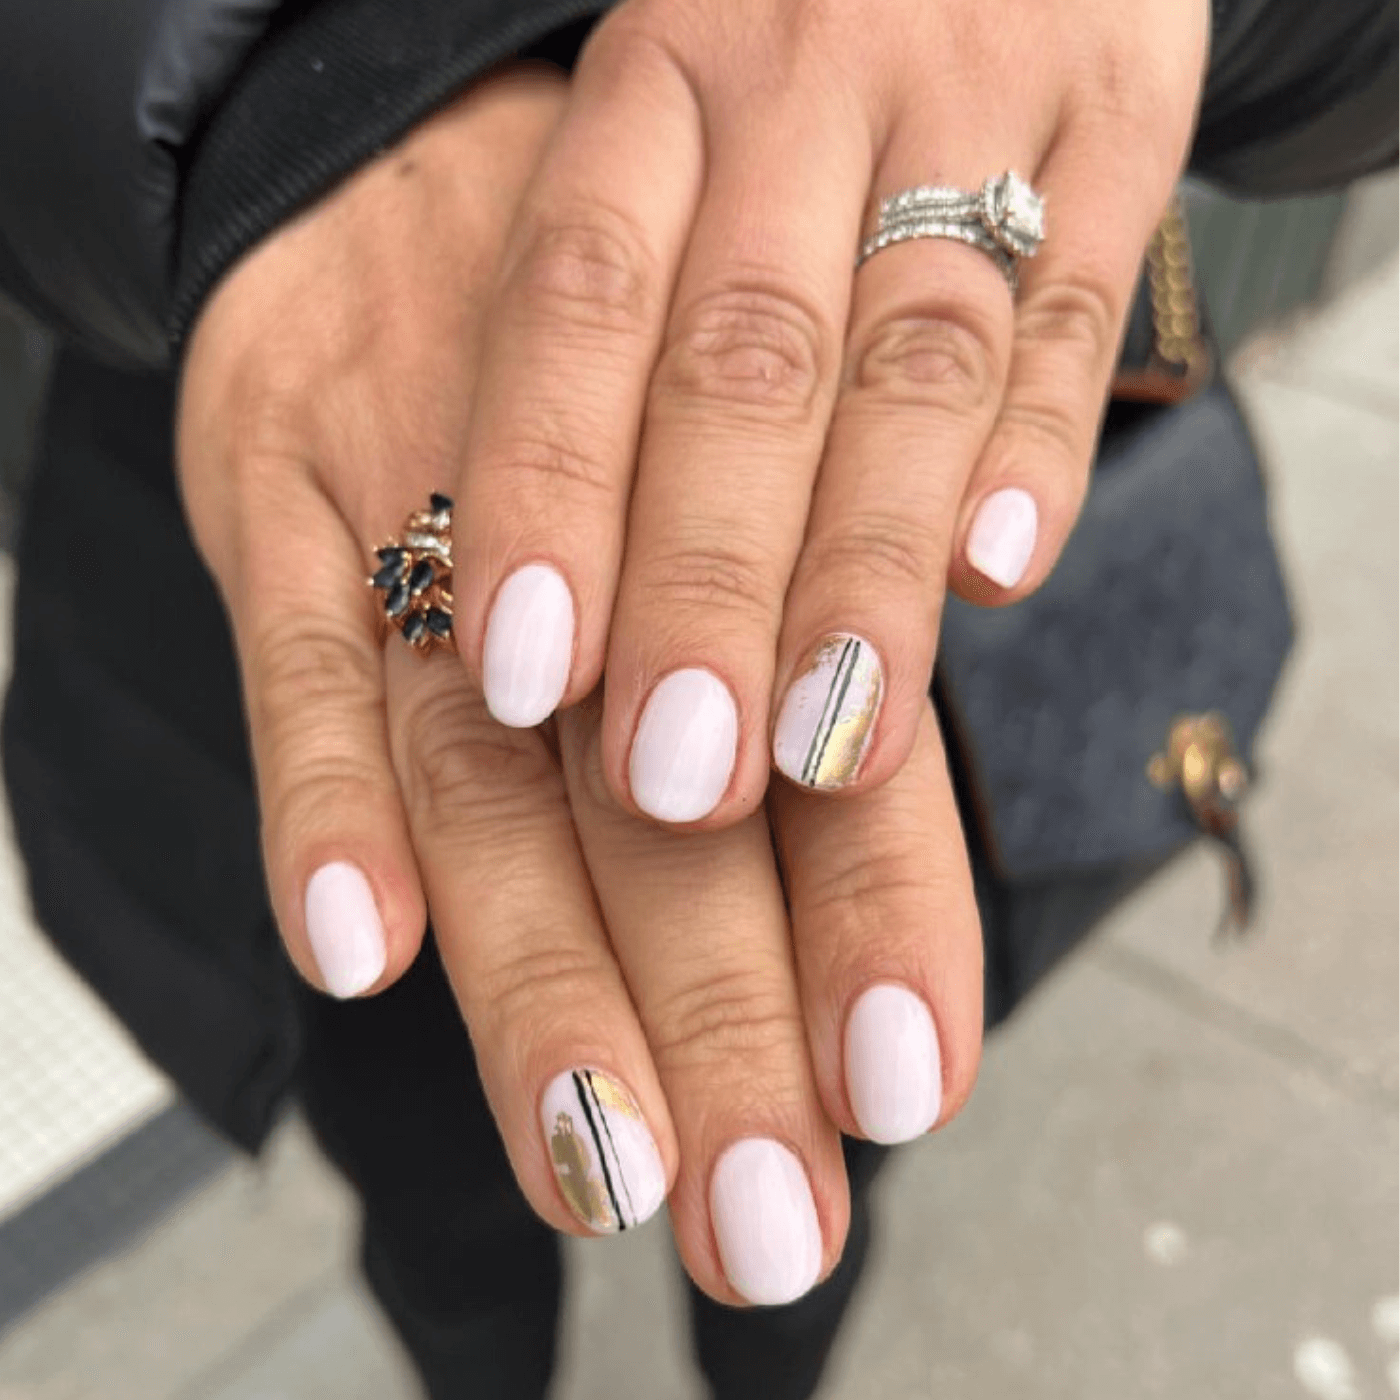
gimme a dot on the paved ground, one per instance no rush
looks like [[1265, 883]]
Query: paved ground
[[1178, 1175]]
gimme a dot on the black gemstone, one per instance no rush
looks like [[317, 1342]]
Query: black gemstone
[[392, 554], [397, 600], [439, 622], [440, 503], [421, 576], [389, 575], [414, 628]]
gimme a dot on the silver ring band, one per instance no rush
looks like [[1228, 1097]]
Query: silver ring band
[[1005, 218], [972, 234]]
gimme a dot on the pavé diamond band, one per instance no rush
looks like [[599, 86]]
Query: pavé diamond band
[[1005, 219]]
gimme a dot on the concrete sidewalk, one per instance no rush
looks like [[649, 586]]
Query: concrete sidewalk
[[1177, 1177]]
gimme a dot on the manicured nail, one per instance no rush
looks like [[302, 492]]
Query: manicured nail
[[828, 715], [529, 647], [894, 1073], [1002, 538], [765, 1222], [344, 929], [683, 755], [604, 1157]]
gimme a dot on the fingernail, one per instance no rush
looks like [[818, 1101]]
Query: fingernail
[[344, 929], [529, 647], [604, 1157], [894, 1073], [683, 755], [828, 715], [1002, 538], [765, 1222]]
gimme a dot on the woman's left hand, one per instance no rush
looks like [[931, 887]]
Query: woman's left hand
[[798, 459]]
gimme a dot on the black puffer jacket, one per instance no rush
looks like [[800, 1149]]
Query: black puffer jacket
[[143, 146]]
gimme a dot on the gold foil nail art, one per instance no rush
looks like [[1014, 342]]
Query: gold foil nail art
[[828, 714], [602, 1152]]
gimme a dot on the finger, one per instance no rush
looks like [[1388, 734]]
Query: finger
[[1024, 495], [926, 360], [889, 946], [735, 422], [549, 460], [760, 1206], [340, 867], [562, 1057]]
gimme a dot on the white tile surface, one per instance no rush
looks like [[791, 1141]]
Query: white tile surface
[[71, 1081]]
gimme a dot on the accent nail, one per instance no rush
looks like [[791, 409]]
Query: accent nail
[[529, 646], [828, 715], [765, 1221], [894, 1073], [684, 750], [344, 929], [604, 1157], [1002, 538]]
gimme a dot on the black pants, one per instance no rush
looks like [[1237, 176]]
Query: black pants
[[468, 1274]]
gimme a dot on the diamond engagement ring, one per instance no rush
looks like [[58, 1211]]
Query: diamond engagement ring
[[1005, 219], [414, 575]]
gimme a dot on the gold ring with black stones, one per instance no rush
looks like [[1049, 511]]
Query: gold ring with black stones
[[414, 574]]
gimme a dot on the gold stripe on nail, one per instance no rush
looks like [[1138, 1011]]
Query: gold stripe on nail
[[828, 715]]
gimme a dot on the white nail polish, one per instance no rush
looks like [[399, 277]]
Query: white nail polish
[[603, 1154], [765, 1220], [828, 715], [683, 754], [1002, 538], [894, 1073], [529, 647], [344, 929]]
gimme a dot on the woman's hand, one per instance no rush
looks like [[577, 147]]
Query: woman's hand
[[646, 987], [798, 457]]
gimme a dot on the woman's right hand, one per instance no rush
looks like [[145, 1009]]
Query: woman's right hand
[[641, 984]]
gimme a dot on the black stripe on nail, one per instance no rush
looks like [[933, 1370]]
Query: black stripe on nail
[[583, 1089]]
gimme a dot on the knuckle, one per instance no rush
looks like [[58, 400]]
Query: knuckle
[[714, 577], [540, 457], [879, 547], [1077, 316], [866, 901], [311, 692], [1040, 425], [464, 777], [724, 1020], [941, 356], [536, 975], [591, 268], [299, 669], [754, 347]]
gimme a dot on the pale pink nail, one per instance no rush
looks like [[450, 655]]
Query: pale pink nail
[[529, 647], [344, 929], [684, 751], [1002, 538], [765, 1220], [894, 1073]]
